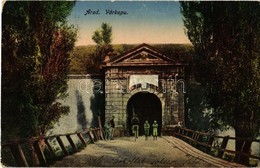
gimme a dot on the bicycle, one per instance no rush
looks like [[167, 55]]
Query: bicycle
[[135, 129]]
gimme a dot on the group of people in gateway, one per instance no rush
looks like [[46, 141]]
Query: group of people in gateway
[[135, 128], [110, 125]]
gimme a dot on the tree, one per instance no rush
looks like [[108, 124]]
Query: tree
[[36, 42], [197, 115], [225, 36], [103, 38]]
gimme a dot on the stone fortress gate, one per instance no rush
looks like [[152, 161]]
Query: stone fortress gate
[[145, 82]]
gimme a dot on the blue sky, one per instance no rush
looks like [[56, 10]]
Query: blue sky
[[146, 22]]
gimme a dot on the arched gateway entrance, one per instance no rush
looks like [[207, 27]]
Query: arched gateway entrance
[[147, 106], [143, 81]]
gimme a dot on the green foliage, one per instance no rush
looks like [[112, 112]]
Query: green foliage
[[197, 117], [227, 56], [36, 42], [226, 38], [102, 37], [177, 52], [81, 60], [106, 33]]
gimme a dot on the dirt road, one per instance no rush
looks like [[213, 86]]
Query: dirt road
[[125, 152]]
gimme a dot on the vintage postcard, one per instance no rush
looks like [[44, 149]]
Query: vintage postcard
[[130, 84]]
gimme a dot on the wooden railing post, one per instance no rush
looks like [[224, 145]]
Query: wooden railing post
[[206, 140], [95, 134], [223, 146], [190, 134], [90, 137], [179, 131], [65, 152], [193, 135], [82, 139], [241, 151], [182, 134], [187, 133], [18, 155], [101, 134], [39, 153], [71, 143], [210, 142], [197, 136], [53, 155], [100, 128]]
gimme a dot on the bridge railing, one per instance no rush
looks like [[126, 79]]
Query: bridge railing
[[37, 144], [207, 140]]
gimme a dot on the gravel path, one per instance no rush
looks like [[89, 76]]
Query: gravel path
[[125, 152]]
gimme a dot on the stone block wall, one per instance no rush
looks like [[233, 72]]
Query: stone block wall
[[170, 93]]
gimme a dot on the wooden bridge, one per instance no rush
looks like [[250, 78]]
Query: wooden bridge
[[181, 148]]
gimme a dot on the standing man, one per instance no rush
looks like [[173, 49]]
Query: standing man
[[112, 126], [146, 129], [155, 130], [135, 126]]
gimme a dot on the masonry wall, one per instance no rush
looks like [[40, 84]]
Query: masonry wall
[[84, 102], [170, 93]]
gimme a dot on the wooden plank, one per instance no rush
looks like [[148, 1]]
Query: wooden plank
[[65, 152], [39, 153], [185, 147], [18, 155], [82, 139]]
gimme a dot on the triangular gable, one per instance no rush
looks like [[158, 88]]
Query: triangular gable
[[143, 54]]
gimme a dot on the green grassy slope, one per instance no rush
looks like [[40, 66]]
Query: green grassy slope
[[81, 58]]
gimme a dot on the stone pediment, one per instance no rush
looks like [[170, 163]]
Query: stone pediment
[[142, 55]]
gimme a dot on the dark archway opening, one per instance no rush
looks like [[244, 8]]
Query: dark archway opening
[[147, 106]]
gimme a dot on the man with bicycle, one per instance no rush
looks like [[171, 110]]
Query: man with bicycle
[[135, 126]]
